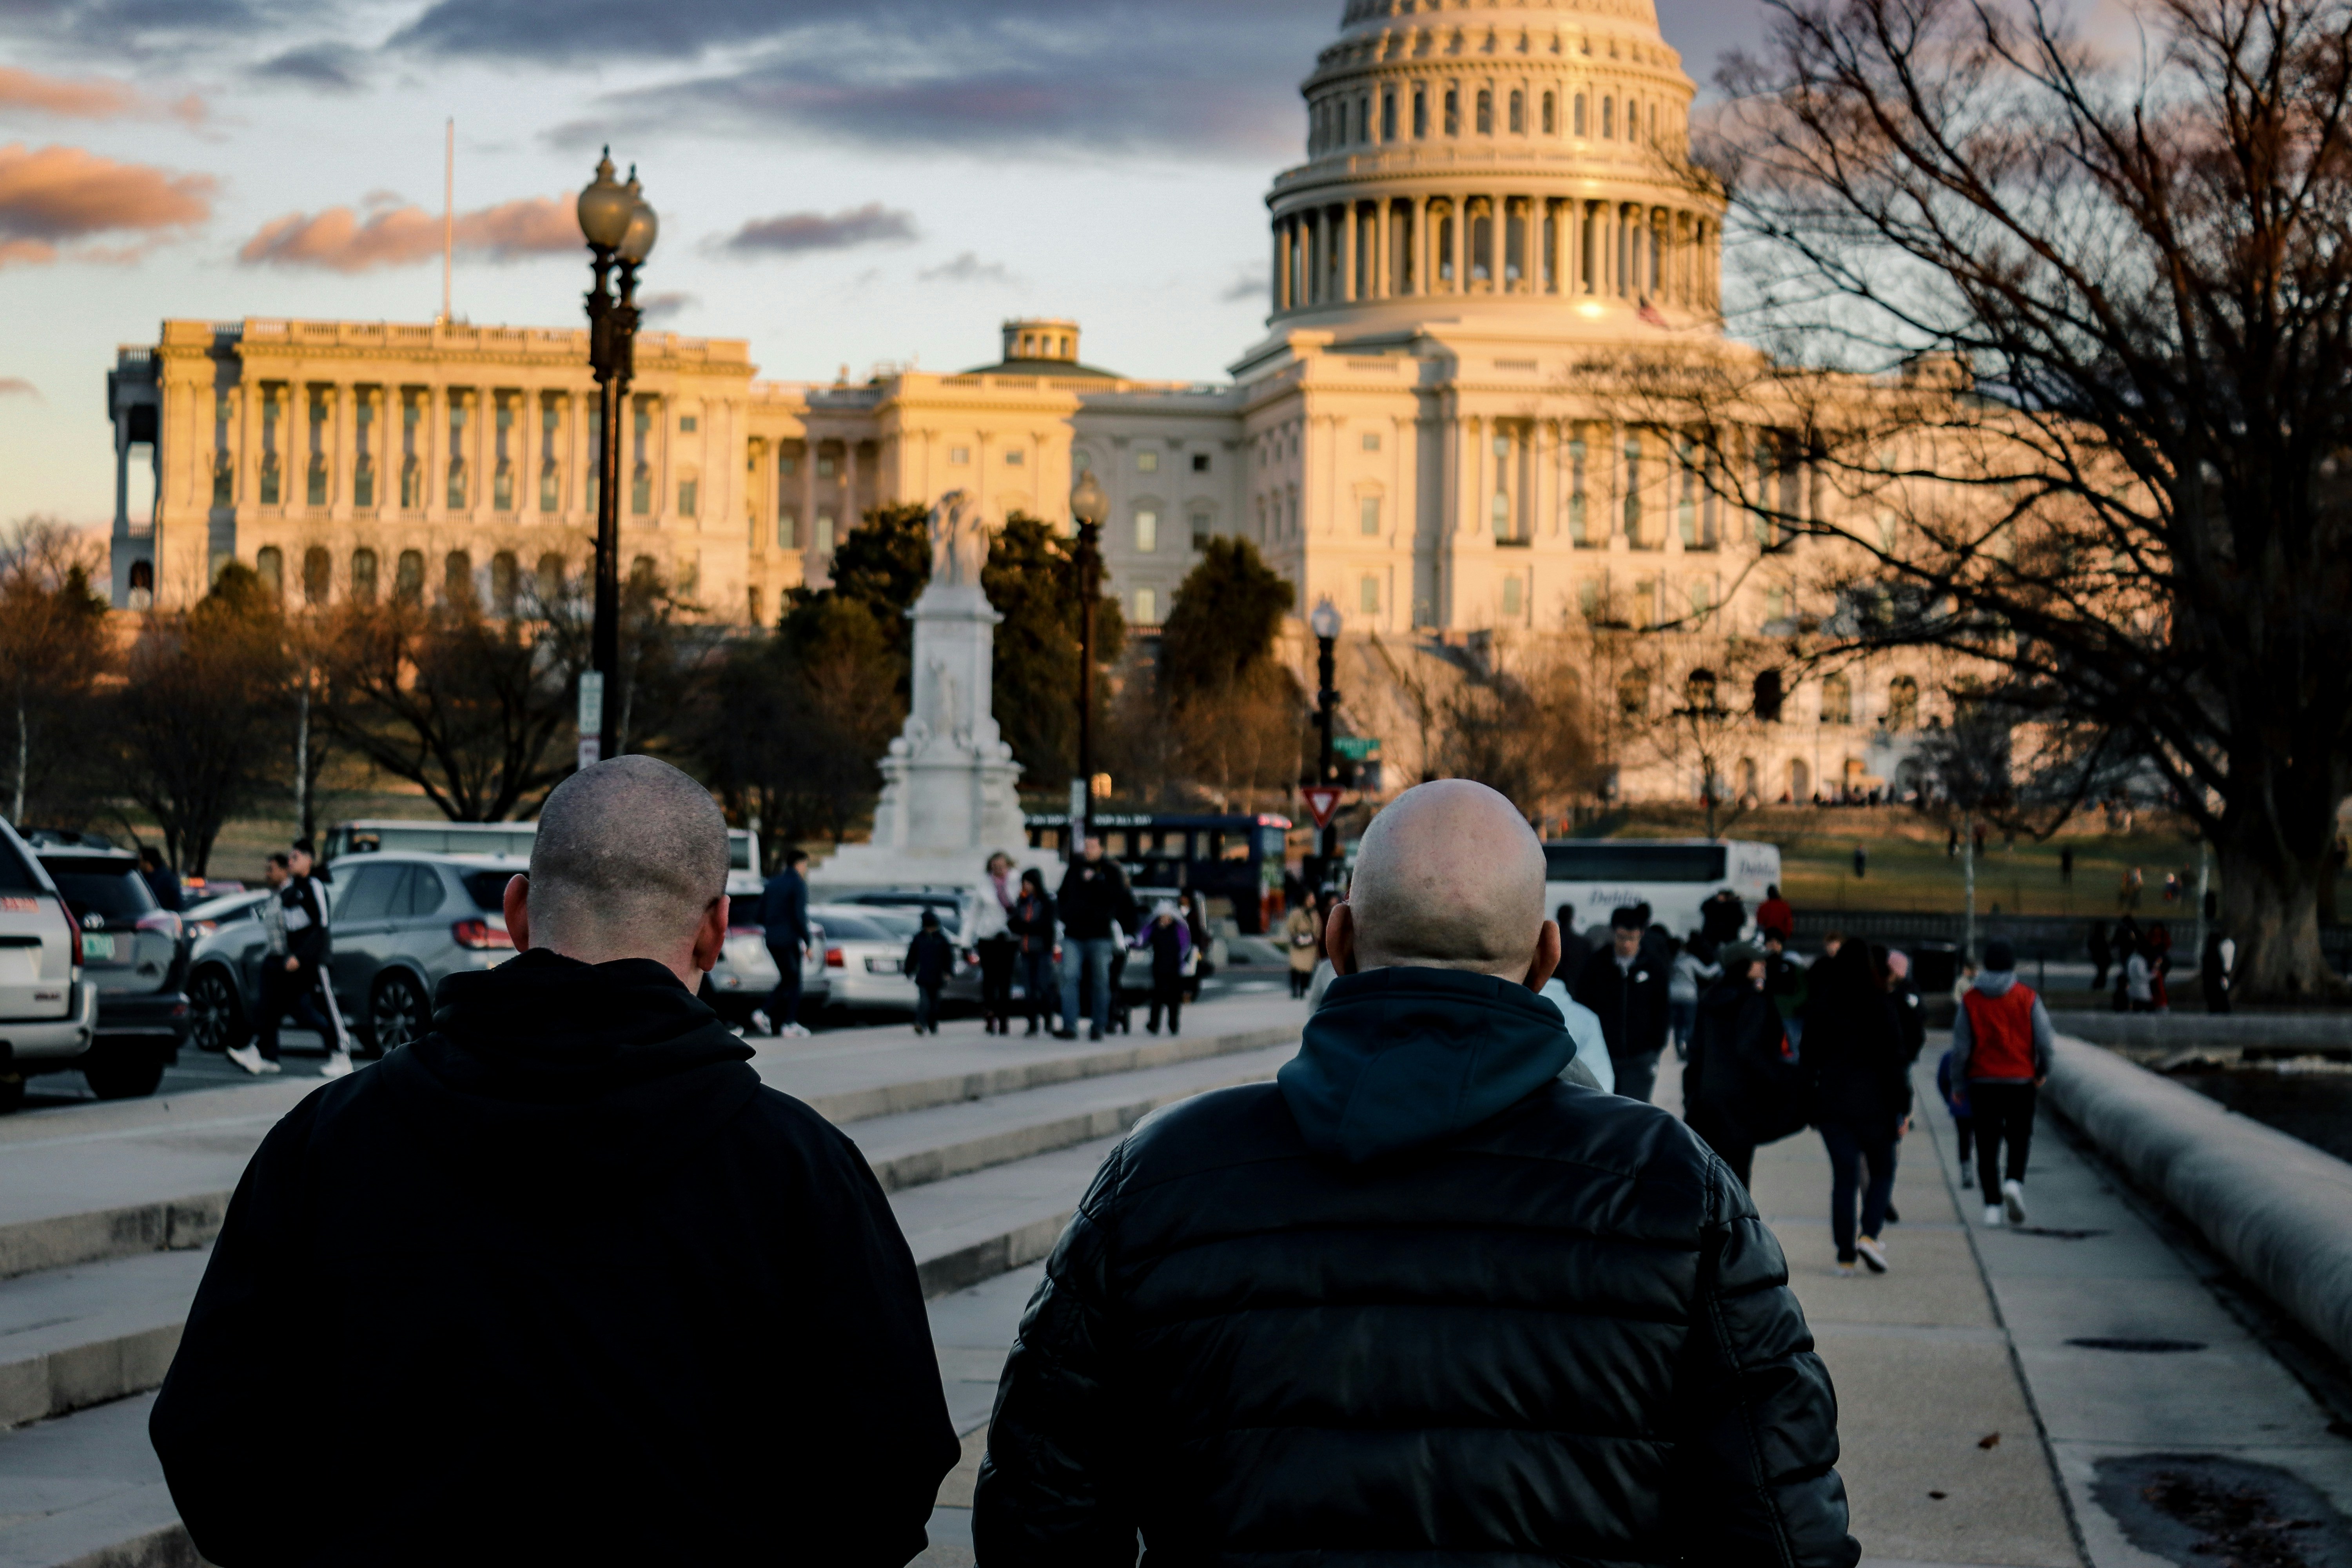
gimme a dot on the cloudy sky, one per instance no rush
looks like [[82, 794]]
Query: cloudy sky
[[840, 184]]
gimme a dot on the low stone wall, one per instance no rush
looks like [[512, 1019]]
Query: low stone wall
[[2162, 1033], [2277, 1208]]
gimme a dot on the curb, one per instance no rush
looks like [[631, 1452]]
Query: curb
[[94, 1373], [985, 1259], [2277, 1208], [926, 1094], [172, 1225]]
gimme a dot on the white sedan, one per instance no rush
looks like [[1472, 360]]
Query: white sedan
[[863, 948]]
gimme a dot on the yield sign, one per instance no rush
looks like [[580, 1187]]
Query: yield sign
[[1322, 800]]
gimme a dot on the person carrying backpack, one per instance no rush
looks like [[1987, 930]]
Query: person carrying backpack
[[930, 959], [1744, 1086]]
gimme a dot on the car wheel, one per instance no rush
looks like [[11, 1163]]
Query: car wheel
[[396, 1014], [215, 1012], [12, 1093], [124, 1072]]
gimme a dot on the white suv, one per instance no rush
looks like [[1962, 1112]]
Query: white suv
[[48, 1013]]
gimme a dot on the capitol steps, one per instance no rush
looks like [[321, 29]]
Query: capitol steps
[[984, 1144]]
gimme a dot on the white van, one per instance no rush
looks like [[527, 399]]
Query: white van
[[1672, 876]]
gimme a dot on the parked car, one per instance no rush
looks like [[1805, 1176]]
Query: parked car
[[401, 924], [864, 947], [49, 1009], [954, 908], [131, 948]]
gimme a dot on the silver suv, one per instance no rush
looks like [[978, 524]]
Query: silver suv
[[131, 949], [49, 1012]]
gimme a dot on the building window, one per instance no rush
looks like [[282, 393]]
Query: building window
[[269, 565], [1608, 118], [1147, 531], [825, 533], [959, 456], [1686, 504], [686, 425], [1550, 118], [1576, 125], [318, 575], [1512, 592], [1016, 458], [457, 578], [1147, 608], [315, 482], [1368, 595], [550, 584], [457, 485], [1486, 113], [363, 576], [363, 464], [550, 485], [1202, 525], [1837, 700], [503, 585], [1371, 440], [787, 466], [1388, 116], [788, 529], [689, 492], [269, 478], [825, 468], [1368, 516], [1633, 693], [1518, 112], [1765, 696], [1590, 603], [316, 488], [1576, 525], [1633, 490], [363, 478], [461, 484], [1200, 462], [1902, 703], [223, 480], [1453, 111], [1702, 600], [502, 486], [641, 489], [1775, 607], [409, 578], [1146, 462], [1419, 114]]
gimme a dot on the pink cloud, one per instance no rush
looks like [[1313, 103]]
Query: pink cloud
[[62, 194], [17, 386], [92, 98], [339, 239]]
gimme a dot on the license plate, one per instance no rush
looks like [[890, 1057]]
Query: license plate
[[881, 966], [98, 945]]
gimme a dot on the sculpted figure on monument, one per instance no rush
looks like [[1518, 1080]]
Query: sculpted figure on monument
[[959, 540]]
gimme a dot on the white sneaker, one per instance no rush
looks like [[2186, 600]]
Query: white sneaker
[[794, 1031], [247, 1057], [759, 1024], [1992, 1215], [2013, 1200], [1873, 1253], [1845, 1270], [337, 1065]]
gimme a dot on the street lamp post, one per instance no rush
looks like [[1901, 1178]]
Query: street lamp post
[[1326, 624], [620, 227], [1088, 507]]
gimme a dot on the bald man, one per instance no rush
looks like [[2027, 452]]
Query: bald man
[[561, 1282], [1419, 1301]]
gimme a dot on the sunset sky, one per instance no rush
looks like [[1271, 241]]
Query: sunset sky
[[839, 185]]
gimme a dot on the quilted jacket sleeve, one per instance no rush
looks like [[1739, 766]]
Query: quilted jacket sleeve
[[1052, 1490], [1759, 1445]]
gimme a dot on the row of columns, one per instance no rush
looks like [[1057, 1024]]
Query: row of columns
[[1502, 243]]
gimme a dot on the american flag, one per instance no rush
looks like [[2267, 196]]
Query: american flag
[[1649, 313]]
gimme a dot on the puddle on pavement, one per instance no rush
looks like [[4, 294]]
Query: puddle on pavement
[[2201, 1511]]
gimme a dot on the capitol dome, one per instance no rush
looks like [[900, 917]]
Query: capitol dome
[[1521, 158]]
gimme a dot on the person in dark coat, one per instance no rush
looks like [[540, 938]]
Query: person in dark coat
[[1861, 1095], [2102, 954], [1096, 909], [1910, 1007], [1575, 947], [625, 1304], [1169, 940], [2216, 964], [1742, 1084], [1418, 1300], [929, 961], [1032, 920], [1722, 917], [783, 918], [161, 880], [1627, 987]]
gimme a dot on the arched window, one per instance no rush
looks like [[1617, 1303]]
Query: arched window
[[1388, 115], [1453, 111], [1633, 693], [1486, 113], [550, 586], [1550, 126], [644, 572], [1766, 695], [755, 607], [1837, 700], [1902, 703], [1800, 781], [363, 576], [269, 565], [318, 574], [142, 576], [1419, 114], [1608, 118], [409, 578], [1744, 775], [1576, 125], [1699, 690], [503, 583], [457, 578], [1518, 112]]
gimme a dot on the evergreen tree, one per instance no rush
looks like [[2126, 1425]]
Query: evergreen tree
[[1031, 581]]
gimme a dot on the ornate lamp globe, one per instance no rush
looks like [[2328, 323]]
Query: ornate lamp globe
[[1087, 503], [1325, 620], [644, 227], [604, 206]]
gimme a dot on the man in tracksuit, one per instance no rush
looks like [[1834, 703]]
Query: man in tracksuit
[[2001, 1043], [295, 918], [1626, 985]]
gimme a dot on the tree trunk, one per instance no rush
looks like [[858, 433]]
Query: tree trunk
[[2270, 904]]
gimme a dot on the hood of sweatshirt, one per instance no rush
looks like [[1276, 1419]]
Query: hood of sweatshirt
[[1395, 1059], [1994, 982], [547, 1070]]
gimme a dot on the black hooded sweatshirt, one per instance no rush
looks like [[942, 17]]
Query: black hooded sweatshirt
[[561, 1282], [1418, 1302]]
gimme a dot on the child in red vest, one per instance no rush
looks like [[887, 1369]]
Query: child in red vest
[[2000, 1049]]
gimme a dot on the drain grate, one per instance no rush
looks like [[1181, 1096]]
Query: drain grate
[[2055, 1233], [2203, 1509], [2137, 1346]]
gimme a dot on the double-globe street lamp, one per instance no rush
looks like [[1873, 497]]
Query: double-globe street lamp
[[1088, 507], [620, 227], [1325, 622]]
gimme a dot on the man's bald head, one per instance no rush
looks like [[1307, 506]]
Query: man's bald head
[[630, 858], [1449, 877]]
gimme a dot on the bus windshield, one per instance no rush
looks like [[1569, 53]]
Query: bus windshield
[[1598, 860]]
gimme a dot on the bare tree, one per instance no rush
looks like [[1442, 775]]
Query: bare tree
[[2102, 309], [53, 655], [1514, 721]]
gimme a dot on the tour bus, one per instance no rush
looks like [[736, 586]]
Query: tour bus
[[514, 838], [1672, 876], [1165, 853]]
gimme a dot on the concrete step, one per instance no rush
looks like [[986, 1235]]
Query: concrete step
[[86, 1491], [91, 1333]]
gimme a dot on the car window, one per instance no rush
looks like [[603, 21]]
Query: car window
[[15, 876], [897, 925], [840, 927], [101, 884], [369, 896], [488, 890], [426, 892]]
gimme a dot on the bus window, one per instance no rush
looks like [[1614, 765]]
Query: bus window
[[1274, 842], [1114, 844], [1598, 860]]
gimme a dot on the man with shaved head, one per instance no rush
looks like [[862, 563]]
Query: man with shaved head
[[1419, 1301], [563, 1279]]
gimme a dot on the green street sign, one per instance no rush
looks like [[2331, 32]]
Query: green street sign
[[1357, 748]]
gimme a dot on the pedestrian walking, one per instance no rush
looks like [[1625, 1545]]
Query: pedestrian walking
[[2217, 965], [2066, 867], [1862, 1098], [993, 940], [1910, 1007], [1169, 940], [2102, 955], [1723, 918], [305, 869], [1305, 1323], [1575, 947], [2158, 946], [1774, 917], [1954, 1092], [929, 961], [783, 926], [1196, 921], [1861, 862], [1302, 935], [1096, 908], [1628, 990], [1744, 1086], [596, 1226], [1686, 974], [2001, 1044], [2138, 992], [1032, 925], [161, 880], [294, 923]]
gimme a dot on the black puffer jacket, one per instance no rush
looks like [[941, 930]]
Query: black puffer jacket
[[1418, 1303]]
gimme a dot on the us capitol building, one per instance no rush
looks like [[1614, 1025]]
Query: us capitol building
[[1488, 203]]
